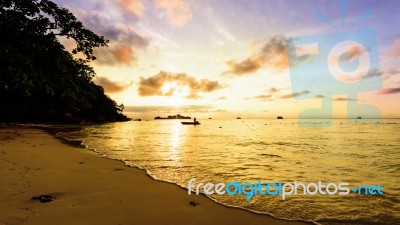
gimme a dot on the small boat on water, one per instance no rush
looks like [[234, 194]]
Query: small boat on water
[[190, 123]]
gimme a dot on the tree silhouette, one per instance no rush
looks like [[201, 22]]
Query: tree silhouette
[[40, 81]]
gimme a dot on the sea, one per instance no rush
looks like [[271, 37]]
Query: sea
[[360, 153]]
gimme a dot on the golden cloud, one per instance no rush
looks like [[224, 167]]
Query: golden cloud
[[154, 85], [273, 54], [110, 86], [295, 94], [116, 54]]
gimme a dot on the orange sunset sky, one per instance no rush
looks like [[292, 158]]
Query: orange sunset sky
[[225, 58]]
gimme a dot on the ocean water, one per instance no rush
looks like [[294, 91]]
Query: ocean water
[[360, 153]]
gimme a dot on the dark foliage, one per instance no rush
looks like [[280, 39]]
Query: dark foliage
[[39, 80]]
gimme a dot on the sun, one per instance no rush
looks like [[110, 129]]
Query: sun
[[175, 93]]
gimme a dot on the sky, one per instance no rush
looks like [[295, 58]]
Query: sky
[[253, 59]]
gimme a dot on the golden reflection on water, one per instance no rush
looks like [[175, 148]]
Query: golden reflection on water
[[175, 141]]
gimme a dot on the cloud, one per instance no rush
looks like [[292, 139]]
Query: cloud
[[193, 95], [102, 23], [273, 90], [222, 98], [246, 66], [264, 97], [134, 7], [110, 86], [373, 73], [395, 50], [352, 53], [124, 39], [295, 94], [274, 93], [273, 54], [392, 72], [126, 34], [177, 11], [389, 91], [157, 85], [123, 53], [385, 75], [116, 54], [343, 99]]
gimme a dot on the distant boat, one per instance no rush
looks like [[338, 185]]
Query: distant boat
[[279, 117], [359, 118], [210, 118], [239, 118], [190, 123]]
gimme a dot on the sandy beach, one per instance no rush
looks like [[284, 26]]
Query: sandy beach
[[89, 189]]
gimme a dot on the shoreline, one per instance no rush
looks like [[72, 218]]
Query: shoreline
[[90, 189]]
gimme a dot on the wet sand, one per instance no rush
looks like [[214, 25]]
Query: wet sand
[[89, 189]]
